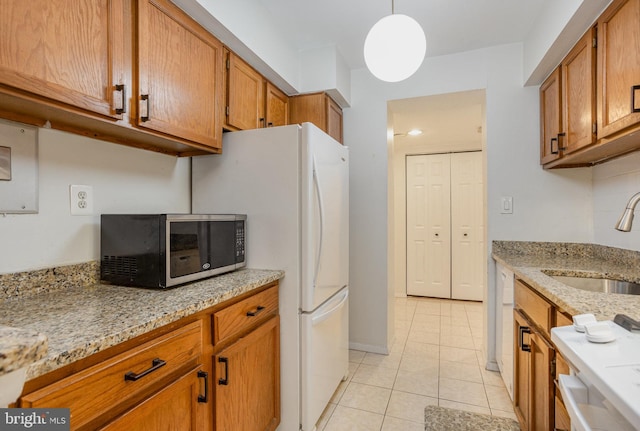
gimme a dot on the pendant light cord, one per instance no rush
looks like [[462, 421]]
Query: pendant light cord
[[393, 9]]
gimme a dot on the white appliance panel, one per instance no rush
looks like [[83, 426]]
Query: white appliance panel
[[610, 370], [268, 175], [325, 355], [326, 268]]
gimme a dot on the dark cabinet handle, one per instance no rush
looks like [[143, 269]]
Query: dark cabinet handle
[[155, 364], [262, 122], [253, 313], [561, 135], [524, 347], [269, 124], [634, 90], [204, 375], [437, 234], [224, 361], [551, 143], [123, 93], [145, 98], [465, 234]]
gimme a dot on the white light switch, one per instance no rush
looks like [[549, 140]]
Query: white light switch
[[506, 205]]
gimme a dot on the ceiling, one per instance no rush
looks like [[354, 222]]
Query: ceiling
[[450, 26]]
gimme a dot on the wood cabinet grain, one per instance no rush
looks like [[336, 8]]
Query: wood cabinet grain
[[319, 109], [69, 52], [179, 75]]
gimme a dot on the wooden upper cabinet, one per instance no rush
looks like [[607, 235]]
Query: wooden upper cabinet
[[578, 95], [618, 67], [334, 120], [550, 117], [319, 109], [277, 106], [251, 101], [179, 81], [244, 95], [69, 52]]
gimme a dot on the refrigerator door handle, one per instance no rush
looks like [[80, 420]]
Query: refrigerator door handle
[[316, 184], [323, 316]]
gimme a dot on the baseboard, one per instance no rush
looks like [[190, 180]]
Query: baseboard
[[369, 348]]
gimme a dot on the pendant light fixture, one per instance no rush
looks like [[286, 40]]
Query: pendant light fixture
[[395, 47]]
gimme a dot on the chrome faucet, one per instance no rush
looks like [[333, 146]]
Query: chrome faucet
[[626, 220]]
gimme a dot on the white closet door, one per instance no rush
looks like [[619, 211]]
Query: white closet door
[[428, 225], [467, 226]]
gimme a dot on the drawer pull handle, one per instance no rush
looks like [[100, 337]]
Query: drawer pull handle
[[224, 381], [204, 375], [556, 141], [524, 347], [123, 101], [155, 364], [634, 90], [147, 115], [254, 313]]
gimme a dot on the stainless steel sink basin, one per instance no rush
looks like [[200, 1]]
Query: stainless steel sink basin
[[604, 285]]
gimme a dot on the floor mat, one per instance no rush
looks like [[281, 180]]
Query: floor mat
[[445, 419]]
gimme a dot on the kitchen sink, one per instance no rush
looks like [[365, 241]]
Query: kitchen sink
[[604, 285]]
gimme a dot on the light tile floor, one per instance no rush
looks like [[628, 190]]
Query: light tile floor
[[436, 359]]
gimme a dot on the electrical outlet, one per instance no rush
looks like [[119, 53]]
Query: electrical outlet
[[81, 198]]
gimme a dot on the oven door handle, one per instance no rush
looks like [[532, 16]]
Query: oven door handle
[[574, 392]]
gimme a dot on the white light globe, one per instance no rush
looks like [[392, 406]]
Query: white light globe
[[394, 48]]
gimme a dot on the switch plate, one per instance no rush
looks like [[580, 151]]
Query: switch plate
[[506, 205], [81, 198]]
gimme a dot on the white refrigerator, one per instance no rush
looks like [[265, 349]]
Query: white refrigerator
[[293, 184]]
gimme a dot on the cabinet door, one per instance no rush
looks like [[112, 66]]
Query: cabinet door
[[541, 406], [70, 52], [334, 120], [179, 75], [247, 381], [277, 104], [245, 95], [578, 94], [618, 67], [521, 345], [174, 408], [550, 118]]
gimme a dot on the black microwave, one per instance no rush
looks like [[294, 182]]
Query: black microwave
[[164, 250]]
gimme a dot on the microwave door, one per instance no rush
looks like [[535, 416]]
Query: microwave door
[[185, 254], [222, 241]]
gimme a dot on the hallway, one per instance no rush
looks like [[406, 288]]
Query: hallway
[[436, 360]]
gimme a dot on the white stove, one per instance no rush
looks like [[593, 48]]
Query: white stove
[[603, 391]]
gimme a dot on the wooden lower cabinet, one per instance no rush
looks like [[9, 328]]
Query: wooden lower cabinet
[[165, 379], [247, 381], [534, 387], [170, 409]]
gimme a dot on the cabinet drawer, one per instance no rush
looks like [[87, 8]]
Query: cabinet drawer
[[96, 390], [242, 315], [534, 306]]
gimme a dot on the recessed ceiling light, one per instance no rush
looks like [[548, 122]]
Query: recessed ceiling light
[[414, 132]]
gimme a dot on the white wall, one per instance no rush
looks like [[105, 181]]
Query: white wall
[[547, 205], [124, 180], [614, 183]]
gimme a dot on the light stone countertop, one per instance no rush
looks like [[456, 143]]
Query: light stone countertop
[[528, 260], [19, 348], [81, 321]]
